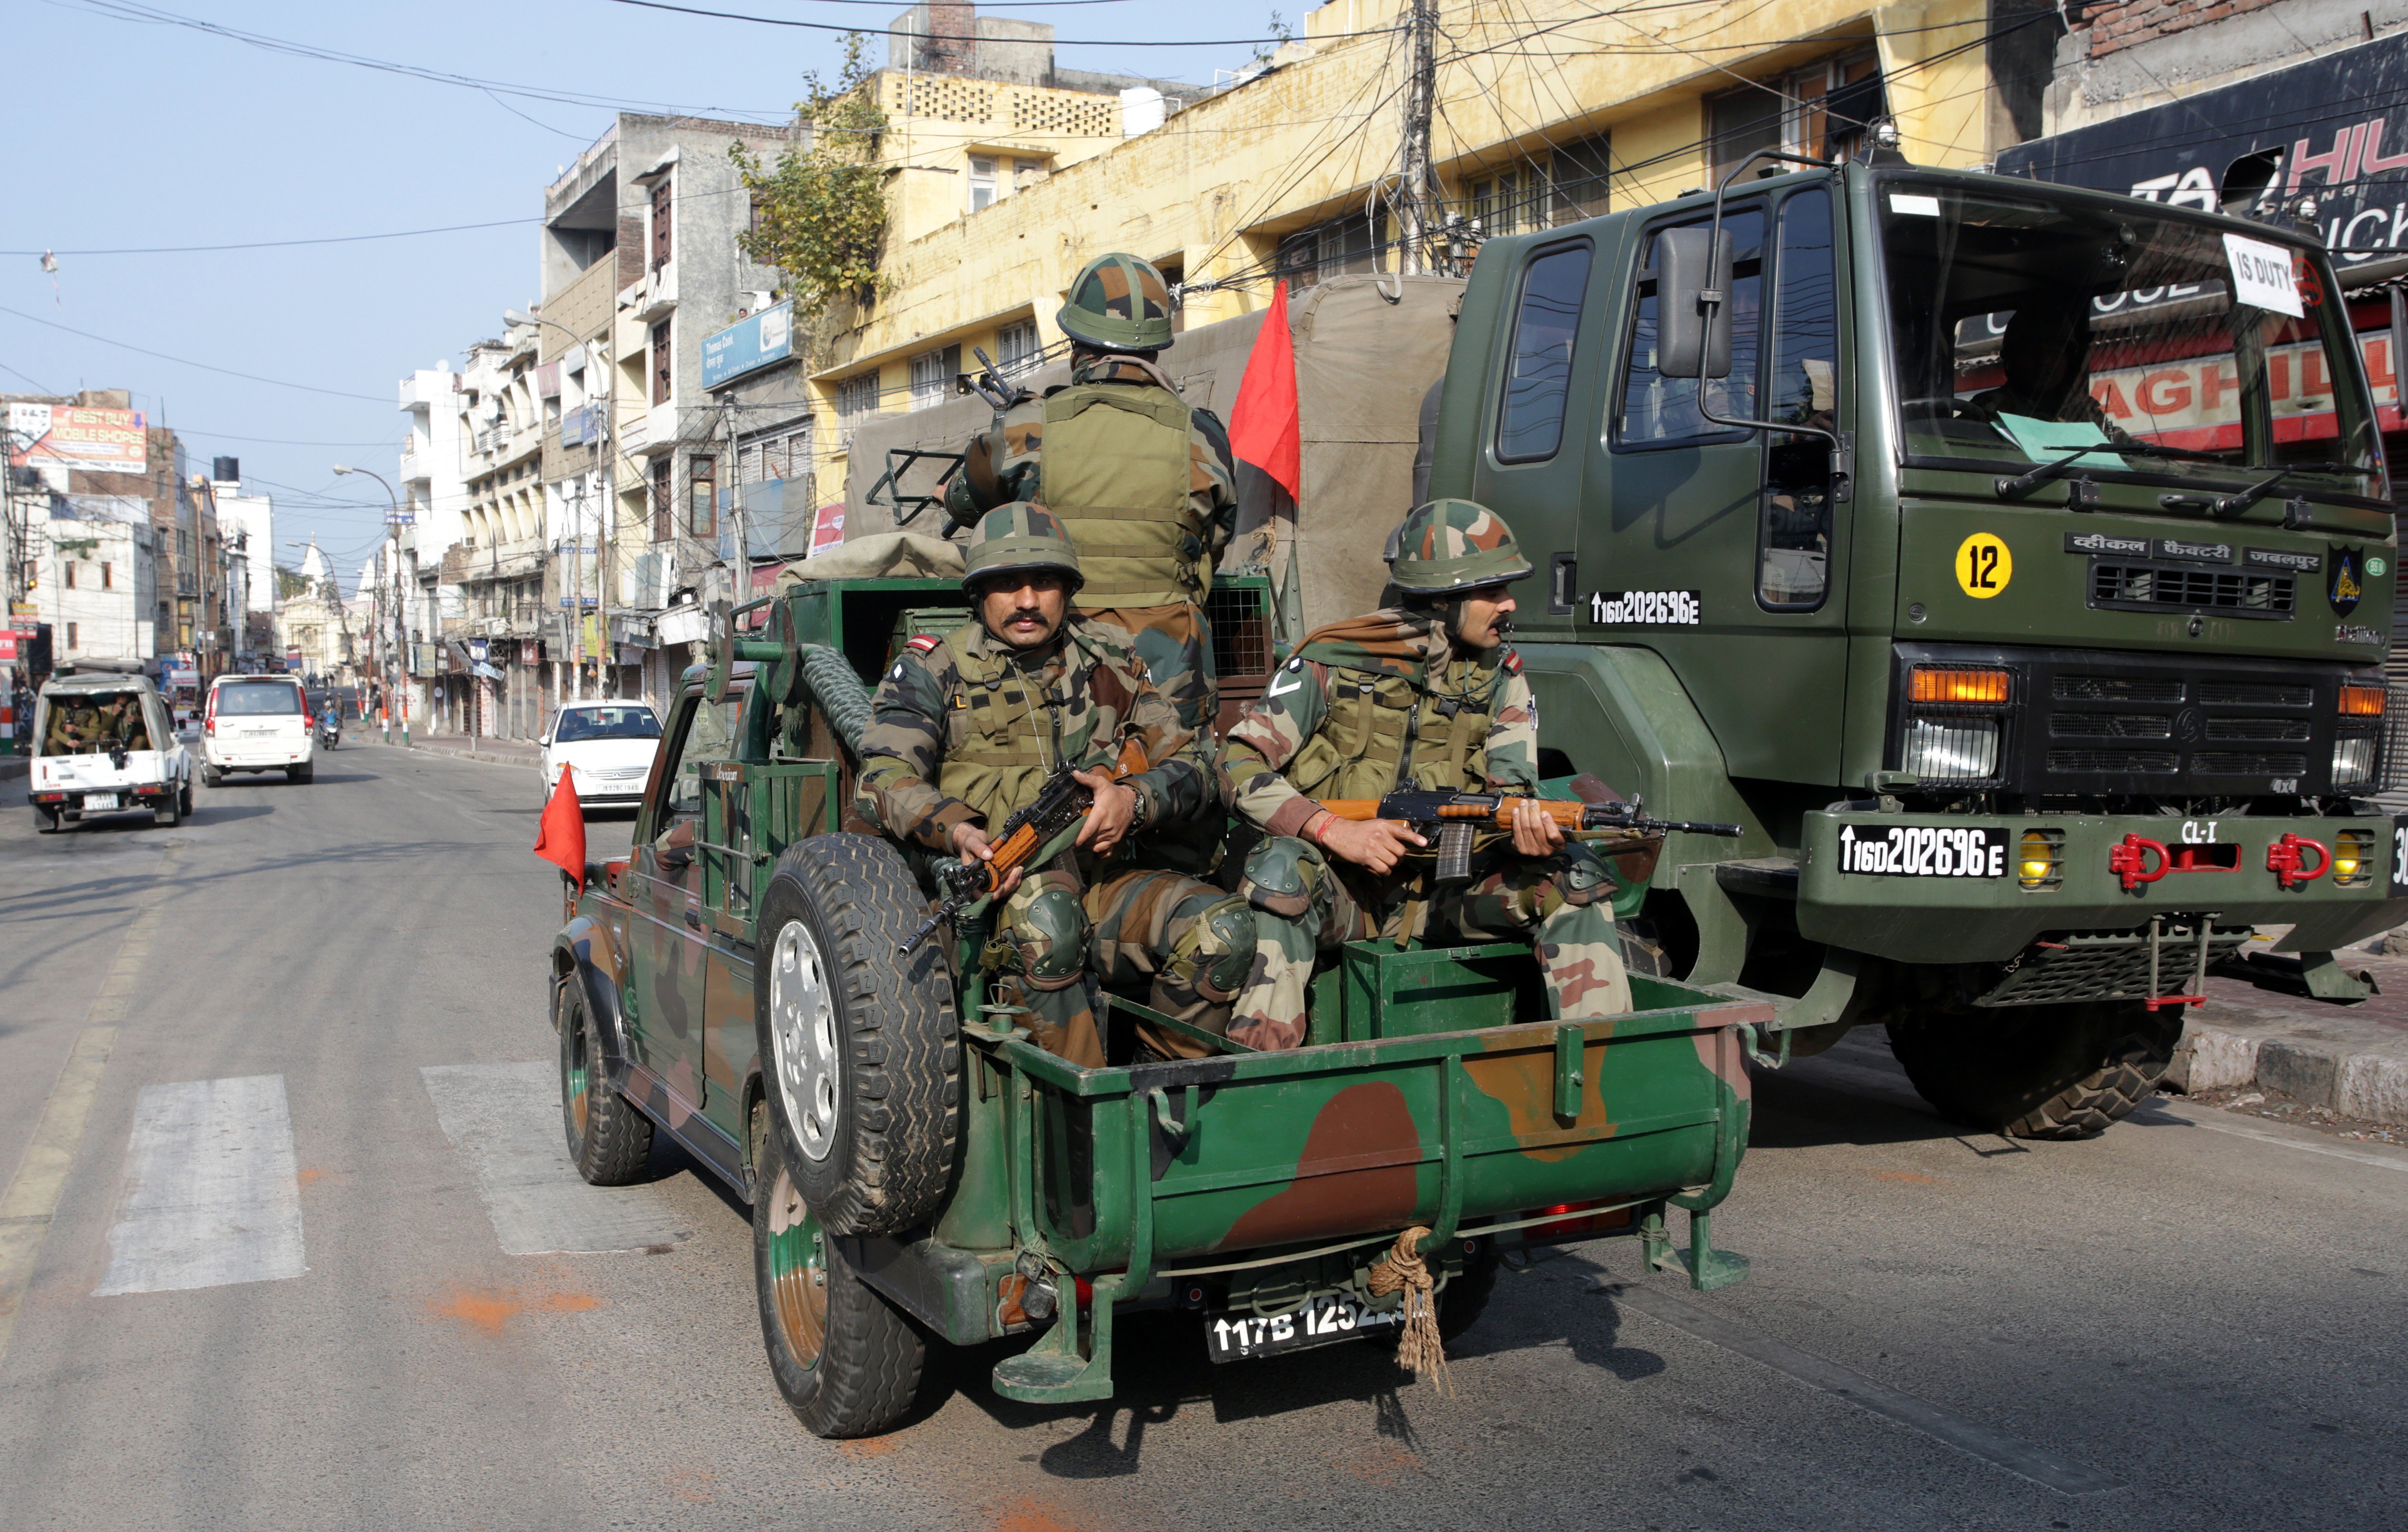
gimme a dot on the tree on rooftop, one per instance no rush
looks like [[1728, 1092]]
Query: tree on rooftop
[[820, 214]]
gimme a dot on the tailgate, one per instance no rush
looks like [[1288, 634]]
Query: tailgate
[[1242, 1152]]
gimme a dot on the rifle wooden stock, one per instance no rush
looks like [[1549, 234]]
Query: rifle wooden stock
[[1567, 814], [1021, 846]]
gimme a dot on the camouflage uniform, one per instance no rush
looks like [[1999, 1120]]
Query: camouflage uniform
[[967, 728], [1366, 705], [1143, 482]]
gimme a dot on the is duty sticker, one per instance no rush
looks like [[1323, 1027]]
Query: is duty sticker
[[1924, 850]]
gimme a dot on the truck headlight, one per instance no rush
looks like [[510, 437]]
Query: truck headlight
[[1958, 750], [2353, 762]]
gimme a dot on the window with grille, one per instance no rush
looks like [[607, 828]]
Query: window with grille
[[662, 469], [106, 581], [1579, 179], [662, 201], [1343, 245], [1017, 350], [664, 375], [1494, 209], [982, 183], [67, 575], [928, 380], [787, 455], [857, 396], [702, 498]]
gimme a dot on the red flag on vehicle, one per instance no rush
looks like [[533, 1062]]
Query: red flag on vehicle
[[1264, 429], [560, 838]]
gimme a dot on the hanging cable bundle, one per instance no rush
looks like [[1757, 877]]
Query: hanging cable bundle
[[1419, 1346]]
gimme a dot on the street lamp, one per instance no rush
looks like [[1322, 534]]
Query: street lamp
[[391, 669]]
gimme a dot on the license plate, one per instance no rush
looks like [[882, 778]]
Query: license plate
[[1924, 850], [100, 800], [259, 734], [1323, 1321]]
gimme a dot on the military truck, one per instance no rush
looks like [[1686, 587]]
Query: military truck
[[921, 1172], [2011, 559]]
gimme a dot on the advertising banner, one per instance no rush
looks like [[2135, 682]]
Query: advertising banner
[[72, 437], [749, 345]]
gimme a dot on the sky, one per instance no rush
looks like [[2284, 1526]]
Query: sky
[[135, 132]]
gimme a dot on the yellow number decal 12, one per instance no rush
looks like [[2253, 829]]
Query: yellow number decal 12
[[1984, 565]]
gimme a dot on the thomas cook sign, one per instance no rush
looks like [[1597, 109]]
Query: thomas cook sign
[[749, 345]]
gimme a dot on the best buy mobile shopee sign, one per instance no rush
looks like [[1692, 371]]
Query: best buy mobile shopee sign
[[74, 437]]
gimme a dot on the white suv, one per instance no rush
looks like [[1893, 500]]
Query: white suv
[[257, 723], [607, 746]]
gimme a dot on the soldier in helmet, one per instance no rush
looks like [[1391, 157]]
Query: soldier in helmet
[[967, 728], [1425, 693], [1143, 481]]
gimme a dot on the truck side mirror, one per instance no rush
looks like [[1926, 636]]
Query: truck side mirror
[[1692, 338]]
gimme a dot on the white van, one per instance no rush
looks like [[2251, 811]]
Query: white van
[[257, 723], [102, 744]]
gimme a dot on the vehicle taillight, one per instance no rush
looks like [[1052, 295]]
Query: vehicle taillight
[[209, 718], [2361, 702]]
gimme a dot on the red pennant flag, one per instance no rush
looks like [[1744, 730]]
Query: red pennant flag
[[1264, 427], [561, 836]]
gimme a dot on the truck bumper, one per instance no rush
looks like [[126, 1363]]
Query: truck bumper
[[1942, 888]]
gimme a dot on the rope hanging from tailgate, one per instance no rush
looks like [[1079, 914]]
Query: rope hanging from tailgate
[[1419, 1349]]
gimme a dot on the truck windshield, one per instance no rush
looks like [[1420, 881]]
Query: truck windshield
[[2026, 328]]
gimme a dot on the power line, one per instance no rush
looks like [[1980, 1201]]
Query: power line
[[958, 37], [181, 361], [283, 244], [133, 10]]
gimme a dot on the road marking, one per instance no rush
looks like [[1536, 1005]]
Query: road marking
[[2017, 1456], [504, 1118], [2155, 1112], [213, 1194], [32, 1199]]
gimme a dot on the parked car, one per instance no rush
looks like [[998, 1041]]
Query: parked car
[[103, 743], [257, 723], [609, 747]]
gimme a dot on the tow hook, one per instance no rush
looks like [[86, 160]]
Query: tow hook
[[2283, 859], [2128, 861]]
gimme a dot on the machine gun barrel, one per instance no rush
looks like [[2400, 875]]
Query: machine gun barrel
[[1061, 802]]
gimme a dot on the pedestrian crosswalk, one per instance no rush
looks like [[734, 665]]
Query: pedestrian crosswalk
[[211, 1191]]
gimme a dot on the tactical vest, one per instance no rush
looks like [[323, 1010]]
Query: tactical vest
[[1115, 470], [1371, 717], [999, 735]]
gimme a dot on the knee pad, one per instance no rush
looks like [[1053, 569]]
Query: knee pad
[[1216, 955], [1584, 878], [1049, 935], [1283, 875]]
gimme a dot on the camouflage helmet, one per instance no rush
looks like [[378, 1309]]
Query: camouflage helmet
[[1453, 545], [1019, 536], [1118, 303]]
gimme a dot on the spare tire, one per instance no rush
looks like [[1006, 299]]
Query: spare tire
[[860, 1050], [2063, 1071]]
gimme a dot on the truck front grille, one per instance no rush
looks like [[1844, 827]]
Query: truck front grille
[[2083, 722], [2161, 587]]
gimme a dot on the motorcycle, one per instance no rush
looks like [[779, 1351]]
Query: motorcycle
[[330, 730]]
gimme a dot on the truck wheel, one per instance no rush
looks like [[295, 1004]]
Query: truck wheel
[[609, 1141], [859, 1045], [846, 1361], [2063, 1071]]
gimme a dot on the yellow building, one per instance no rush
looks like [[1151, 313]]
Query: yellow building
[[1544, 111]]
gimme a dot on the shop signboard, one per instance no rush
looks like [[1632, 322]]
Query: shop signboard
[[45, 436], [749, 345]]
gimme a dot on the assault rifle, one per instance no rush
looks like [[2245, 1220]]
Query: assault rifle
[[1036, 832], [1455, 818]]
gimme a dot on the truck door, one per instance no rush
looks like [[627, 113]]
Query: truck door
[[1720, 548], [664, 887]]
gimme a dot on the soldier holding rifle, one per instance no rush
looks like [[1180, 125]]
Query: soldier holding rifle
[[967, 729], [1423, 694]]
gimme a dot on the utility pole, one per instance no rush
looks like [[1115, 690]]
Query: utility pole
[[1418, 204]]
